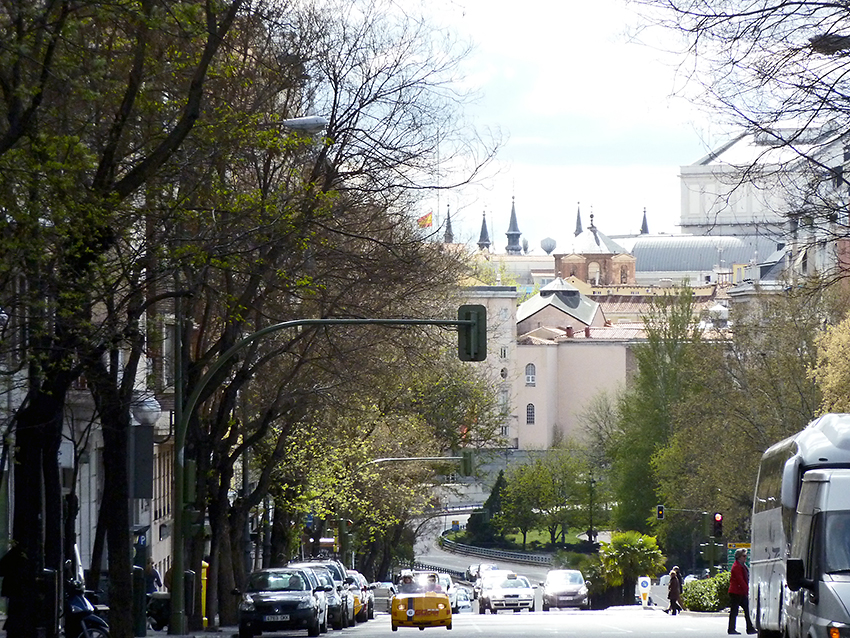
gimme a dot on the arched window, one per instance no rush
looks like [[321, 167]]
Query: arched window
[[530, 374], [529, 414]]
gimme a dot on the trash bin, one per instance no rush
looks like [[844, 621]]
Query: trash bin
[[140, 615]]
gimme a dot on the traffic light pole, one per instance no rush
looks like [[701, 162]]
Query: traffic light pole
[[472, 346]]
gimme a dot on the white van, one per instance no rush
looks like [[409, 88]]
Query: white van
[[800, 550]]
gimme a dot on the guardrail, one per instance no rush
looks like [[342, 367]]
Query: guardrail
[[483, 552]]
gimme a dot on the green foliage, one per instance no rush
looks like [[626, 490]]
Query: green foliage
[[667, 364], [628, 556], [711, 594], [520, 500]]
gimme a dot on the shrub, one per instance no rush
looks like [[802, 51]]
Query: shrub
[[711, 594]]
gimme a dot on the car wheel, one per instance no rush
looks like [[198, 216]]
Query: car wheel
[[323, 628], [449, 626], [493, 610], [545, 606], [395, 627], [337, 622], [371, 614], [245, 632], [315, 628], [533, 607], [481, 607]]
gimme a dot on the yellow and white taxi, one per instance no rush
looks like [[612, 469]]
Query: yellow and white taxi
[[420, 602]]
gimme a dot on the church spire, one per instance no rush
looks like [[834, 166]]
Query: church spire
[[449, 237], [484, 238], [578, 219], [513, 247], [644, 227]]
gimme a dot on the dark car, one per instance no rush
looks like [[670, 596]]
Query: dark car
[[565, 588], [278, 599]]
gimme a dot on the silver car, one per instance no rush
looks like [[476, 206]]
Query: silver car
[[502, 590]]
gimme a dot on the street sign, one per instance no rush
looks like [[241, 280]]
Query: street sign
[[455, 526], [644, 585], [731, 548]]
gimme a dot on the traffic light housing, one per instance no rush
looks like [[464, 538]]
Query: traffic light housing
[[466, 463], [472, 337], [659, 512], [717, 525]]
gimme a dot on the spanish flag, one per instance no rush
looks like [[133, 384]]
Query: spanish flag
[[426, 220]]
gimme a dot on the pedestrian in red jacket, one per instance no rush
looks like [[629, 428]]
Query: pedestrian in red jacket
[[739, 591]]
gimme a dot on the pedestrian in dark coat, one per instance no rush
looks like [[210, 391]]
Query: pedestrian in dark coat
[[674, 592], [739, 585]]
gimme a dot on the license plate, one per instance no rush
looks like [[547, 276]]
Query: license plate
[[277, 618], [426, 612]]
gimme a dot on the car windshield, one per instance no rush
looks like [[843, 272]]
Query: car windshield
[[277, 581], [837, 542], [566, 578], [517, 582], [324, 579], [337, 574], [445, 581]]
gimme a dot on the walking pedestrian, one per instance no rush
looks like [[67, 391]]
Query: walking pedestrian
[[739, 584], [674, 592]]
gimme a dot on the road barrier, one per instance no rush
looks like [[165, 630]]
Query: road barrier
[[483, 552]]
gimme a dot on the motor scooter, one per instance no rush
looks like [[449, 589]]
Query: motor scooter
[[159, 610], [81, 620]]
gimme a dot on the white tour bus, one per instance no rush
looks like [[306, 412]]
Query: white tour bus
[[799, 585]]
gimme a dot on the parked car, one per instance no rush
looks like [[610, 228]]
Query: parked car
[[279, 599], [336, 608], [367, 596], [418, 605], [383, 593], [341, 581], [505, 590], [565, 588]]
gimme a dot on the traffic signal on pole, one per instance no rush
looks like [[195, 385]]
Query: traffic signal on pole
[[466, 463], [659, 512], [472, 337], [717, 525]]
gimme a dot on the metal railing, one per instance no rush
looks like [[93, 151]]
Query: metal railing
[[483, 552]]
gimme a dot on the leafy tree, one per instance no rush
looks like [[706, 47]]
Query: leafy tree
[[753, 389], [84, 130], [666, 367], [520, 502], [626, 558]]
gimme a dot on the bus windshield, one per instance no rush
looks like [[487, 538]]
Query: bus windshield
[[837, 543]]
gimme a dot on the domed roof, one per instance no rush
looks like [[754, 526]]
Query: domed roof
[[592, 241]]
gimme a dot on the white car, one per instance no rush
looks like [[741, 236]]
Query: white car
[[448, 587], [505, 590]]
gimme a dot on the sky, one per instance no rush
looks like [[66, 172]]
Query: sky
[[589, 118]]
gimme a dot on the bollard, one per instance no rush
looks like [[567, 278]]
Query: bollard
[[189, 592], [140, 612], [204, 569]]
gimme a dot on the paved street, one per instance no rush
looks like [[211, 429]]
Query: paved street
[[634, 622]]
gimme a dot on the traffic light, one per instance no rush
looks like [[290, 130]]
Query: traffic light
[[472, 337], [659, 512], [717, 525], [466, 463]]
